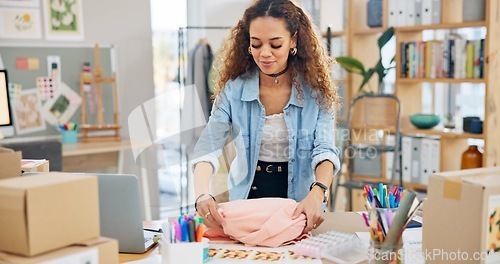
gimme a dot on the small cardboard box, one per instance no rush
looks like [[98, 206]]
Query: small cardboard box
[[462, 215], [31, 165], [100, 250], [10, 163], [49, 211]]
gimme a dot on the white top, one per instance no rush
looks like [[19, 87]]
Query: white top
[[274, 146]]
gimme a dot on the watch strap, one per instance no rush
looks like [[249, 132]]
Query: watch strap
[[319, 184], [322, 186]]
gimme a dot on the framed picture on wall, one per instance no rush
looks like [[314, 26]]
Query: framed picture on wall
[[28, 116], [60, 108], [20, 3], [20, 23], [63, 19]]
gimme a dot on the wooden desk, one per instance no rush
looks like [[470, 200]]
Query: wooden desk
[[340, 221], [94, 155]]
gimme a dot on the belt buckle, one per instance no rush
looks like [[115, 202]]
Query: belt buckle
[[269, 170]]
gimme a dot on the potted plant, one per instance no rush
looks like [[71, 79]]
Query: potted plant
[[355, 66]]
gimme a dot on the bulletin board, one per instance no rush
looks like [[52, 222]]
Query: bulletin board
[[72, 59]]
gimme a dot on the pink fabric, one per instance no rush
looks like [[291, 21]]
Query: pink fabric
[[259, 222]]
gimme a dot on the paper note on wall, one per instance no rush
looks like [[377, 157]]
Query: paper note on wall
[[1, 63], [45, 87]]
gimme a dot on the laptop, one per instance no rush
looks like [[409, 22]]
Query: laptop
[[121, 213]]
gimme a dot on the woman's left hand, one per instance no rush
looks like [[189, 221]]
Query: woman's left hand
[[312, 207]]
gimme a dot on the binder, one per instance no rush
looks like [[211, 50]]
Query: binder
[[406, 150], [436, 12], [416, 144], [392, 10], [418, 12], [401, 15], [435, 156], [426, 162], [410, 12], [426, 12]]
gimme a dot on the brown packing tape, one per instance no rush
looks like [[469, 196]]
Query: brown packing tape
[[452, 188]]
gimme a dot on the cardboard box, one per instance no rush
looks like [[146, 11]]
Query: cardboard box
[[45, 212], [100, 250], [31, 165], [10, 163], [461, 216]]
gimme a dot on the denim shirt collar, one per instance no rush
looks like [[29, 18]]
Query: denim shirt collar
[[251, 91]]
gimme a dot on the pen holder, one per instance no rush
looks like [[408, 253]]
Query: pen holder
[[187, 252], [69, 136], [386, 253]]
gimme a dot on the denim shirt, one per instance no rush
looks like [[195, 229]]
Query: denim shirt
[[241, 114]]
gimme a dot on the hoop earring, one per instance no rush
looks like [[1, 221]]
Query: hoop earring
[[293, 51], [249, 50]]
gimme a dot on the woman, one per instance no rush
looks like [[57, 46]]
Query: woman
[[275, 95]]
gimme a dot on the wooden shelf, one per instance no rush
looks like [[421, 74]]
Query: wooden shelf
[[439, 80], [368, 31], [385, 128], [374, 179], [334, 34], [445, 133], [442, 132], [440, 26], [415, 186]]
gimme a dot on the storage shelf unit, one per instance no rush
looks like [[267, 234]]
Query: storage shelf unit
[[439, 80], [441, 26], [362, 44]]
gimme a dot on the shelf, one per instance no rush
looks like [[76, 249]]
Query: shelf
[[380, 127], [444, 133], [366, 178], [415, 186], [368, 31], [440, 26], [439, 80], [334, 34]]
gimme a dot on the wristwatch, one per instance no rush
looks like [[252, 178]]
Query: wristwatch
[[322, 186]]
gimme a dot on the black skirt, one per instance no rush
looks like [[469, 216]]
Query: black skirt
[[271, 180]]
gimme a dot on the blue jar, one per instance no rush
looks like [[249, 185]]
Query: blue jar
[[374, 13]]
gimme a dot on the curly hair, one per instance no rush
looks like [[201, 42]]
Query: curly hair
[[310, 60]]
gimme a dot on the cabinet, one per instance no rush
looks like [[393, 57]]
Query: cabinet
[[362, 44]]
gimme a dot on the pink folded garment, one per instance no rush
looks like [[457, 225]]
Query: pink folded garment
[[259, 222]]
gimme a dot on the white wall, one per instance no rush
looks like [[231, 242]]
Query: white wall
[[214, 13], [127, 25]]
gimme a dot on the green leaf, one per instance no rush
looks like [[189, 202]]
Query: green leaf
[[393, 59], [380, 70], [386, 36], [366, 78], [351, 65]]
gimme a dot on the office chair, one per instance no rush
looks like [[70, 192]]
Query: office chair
[[370, 115]]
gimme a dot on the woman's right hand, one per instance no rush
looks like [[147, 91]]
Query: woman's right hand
[[209, 210]]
